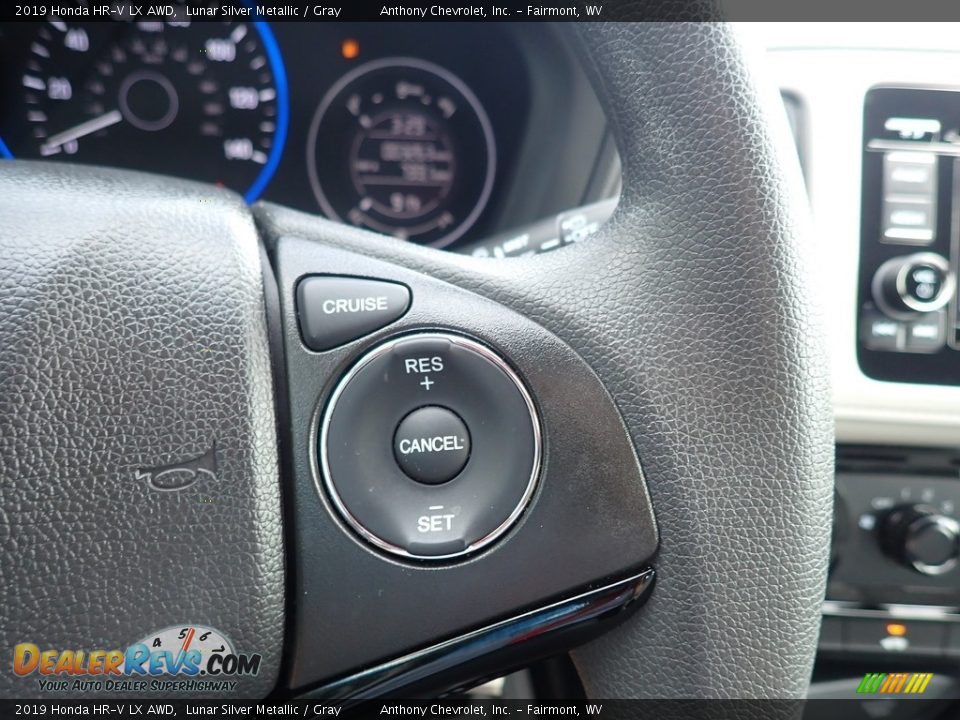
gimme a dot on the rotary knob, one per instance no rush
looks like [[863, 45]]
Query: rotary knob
[[921, 539], [918, 283]]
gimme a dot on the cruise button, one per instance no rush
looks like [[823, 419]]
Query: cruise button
[[336, 310]]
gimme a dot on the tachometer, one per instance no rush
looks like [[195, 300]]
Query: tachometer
[[403, 147], [205, 101]]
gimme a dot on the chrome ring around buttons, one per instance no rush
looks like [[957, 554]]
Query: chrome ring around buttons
[[383, 349]]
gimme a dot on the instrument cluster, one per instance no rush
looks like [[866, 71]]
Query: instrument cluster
[[412, 131]]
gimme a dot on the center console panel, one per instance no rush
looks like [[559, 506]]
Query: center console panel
[[908, 327]]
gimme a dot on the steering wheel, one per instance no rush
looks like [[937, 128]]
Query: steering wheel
[[161, 413]]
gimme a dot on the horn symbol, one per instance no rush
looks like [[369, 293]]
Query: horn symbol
[[181, 475]]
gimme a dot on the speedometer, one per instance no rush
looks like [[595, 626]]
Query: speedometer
[[403, 147], [205, 101]]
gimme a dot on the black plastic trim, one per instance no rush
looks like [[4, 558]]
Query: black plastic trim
[[499, 647]]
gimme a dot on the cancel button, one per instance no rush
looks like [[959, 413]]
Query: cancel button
[[432, 445]]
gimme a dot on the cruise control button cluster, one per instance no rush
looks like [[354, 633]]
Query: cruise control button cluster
[[430, 446], [335, 310]]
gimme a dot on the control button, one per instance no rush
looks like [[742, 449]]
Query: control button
[[910, 284], [933, 543], [447, 412], [926, 334], [432, 445], [910, 173], [909, 220], [909, 197], [880, 332], [336, 310], [881, 635], [921, 538], [923, 282]]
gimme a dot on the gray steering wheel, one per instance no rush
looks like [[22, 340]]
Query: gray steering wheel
[[159, 411]]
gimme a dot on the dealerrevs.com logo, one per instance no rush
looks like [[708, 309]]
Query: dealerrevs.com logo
[[178, 658]]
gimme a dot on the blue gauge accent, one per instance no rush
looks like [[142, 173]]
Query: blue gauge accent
[[283, 110], [5, 151]]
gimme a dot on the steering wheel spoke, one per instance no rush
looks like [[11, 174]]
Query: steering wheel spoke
[[391, 546]]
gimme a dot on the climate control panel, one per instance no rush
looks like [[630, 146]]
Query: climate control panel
[[897, 539], [894, 586]]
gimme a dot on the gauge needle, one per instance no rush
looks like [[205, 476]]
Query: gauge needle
[[78, 131]]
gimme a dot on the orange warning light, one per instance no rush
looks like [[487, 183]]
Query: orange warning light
[[349, 48], [896, 629]]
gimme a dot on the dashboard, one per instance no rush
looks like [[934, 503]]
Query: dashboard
[[404, 134]]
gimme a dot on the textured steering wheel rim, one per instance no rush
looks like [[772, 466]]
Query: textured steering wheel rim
[[745, 623]]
